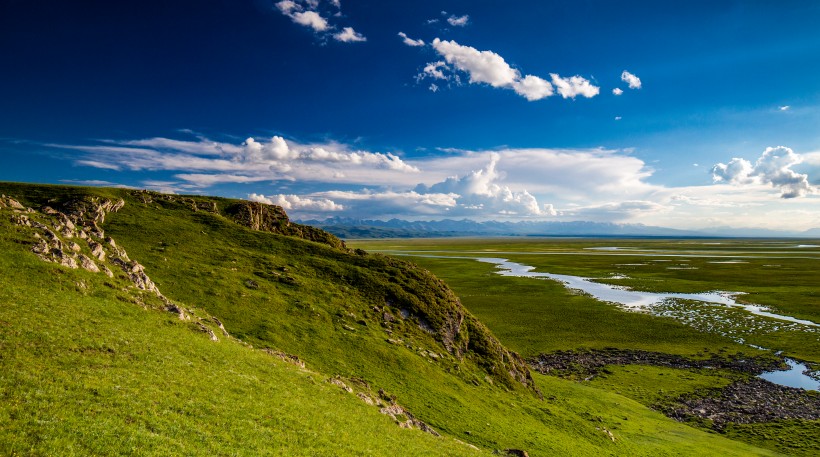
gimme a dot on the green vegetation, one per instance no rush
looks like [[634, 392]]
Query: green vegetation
[[541, 316], [91, 365]]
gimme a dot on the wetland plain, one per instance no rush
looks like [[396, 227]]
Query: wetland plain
[[700, 299]]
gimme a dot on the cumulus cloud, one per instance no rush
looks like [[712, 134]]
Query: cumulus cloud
[[409, 41], [773, 168], [487, 67], [617, 91], [348, 35], [532, 88], [297, 203], [458, 21], [481, 190], [633, 81], [573, 86]]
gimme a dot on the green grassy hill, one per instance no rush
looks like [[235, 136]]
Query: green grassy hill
[[135, 323]]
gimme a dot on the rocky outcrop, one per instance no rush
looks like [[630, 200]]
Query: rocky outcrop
[[79, 219], [273, 219], [421, 297]]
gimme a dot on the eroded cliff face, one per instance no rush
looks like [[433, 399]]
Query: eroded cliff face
[[272, 218]]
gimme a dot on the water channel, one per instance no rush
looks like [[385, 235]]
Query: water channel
[[635, 300]]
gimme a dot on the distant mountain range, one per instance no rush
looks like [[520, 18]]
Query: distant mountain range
[[398, 228]]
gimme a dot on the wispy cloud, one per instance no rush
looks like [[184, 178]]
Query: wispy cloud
[[458, 21], [409, 41]]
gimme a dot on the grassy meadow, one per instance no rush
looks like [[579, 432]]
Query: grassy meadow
[[89, 365]]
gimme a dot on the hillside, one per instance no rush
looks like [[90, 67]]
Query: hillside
[[149, 324]]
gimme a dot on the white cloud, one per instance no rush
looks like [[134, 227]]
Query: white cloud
[[348, 35], [633, 81], [773, 168], [297, 203], [785, 108], [618, 118], [310, 19], [308, 14], [532, 88], [458, 21], [490, 68], [573, 86], [481, 190], [433, 88], [434, 70], [617, 91], [482, 66], [409, 41]]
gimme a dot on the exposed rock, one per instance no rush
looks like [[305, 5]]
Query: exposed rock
[[88, 264], [21, 219], [406, 420], [272, 218], [58, 256], [365, 398], [107, 271], [14, 204], [290, 358], [97, 250], [67, 232], [204, 328], [74, 247], [338, 382], [225, 332]]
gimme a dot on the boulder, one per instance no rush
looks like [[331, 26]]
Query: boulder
[[88, 264]]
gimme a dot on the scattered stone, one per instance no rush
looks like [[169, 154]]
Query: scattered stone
[[516, 452], [107, 271], [388, 317], [406, 420], [338, 382], [590, 363], [365, 398], [290, 358], [225, 332], [74, 247], [207, 330], [748, 402], [251, 284]]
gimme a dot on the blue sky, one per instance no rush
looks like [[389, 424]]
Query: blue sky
[[681, 114]]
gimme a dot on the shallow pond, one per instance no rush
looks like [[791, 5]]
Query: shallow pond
[[793, 377]]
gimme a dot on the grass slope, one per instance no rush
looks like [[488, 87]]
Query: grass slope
[[85, 370]]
